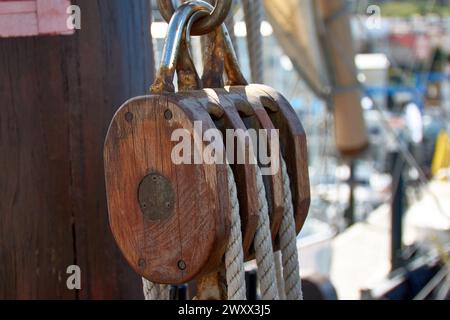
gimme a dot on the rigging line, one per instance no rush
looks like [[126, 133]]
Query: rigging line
[[288, 244], [296, 85], [253, 14], [154, 41], [325, 147], [230, 23], [264, 254], [234, 255]]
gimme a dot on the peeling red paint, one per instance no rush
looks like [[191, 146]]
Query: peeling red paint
[[20, 18]]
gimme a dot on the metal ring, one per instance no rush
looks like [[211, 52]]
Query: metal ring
[[194, 18], [204, 25], [232, 69]]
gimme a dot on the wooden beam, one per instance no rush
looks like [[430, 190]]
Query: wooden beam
[[58, 95]]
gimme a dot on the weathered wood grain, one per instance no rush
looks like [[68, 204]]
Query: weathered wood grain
[[196, 234], [226, 117], [58, 95]]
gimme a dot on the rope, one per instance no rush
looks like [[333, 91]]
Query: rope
[[164, 292], [280, 280], [263, 246], [253, 13], [229, 22], [153, 291], [272, 285], [288, 243], [234, 255], [290, 286]]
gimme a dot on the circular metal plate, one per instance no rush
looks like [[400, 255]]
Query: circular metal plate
[[156, 197]]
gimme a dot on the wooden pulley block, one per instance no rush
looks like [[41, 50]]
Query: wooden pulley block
[[226, 117], [272, 110], [263, 107], [170, 221], [238, 115], [255, 117], [293, 142]]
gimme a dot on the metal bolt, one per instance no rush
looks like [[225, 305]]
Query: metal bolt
[[168, 115], [181, 265], [142, 263], [129, 116]]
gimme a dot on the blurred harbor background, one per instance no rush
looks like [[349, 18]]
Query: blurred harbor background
[[379, 220]]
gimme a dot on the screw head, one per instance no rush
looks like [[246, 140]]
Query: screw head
[[181, 265], [168, 115], [129, 116], [142, 263]]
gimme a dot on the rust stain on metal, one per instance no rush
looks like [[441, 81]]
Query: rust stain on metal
[[188, 78], [163, 81], [214, 60]]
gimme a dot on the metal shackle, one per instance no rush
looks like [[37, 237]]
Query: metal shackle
[[216, 16], [179, 27]]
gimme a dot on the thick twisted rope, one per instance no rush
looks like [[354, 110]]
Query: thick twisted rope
[[229, 22], [263, 246], [234, 255], [288, 243], [280, 279], [153, 291], [164, 292], [253, 12]]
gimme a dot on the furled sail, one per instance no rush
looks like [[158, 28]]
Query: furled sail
[[316, 35]]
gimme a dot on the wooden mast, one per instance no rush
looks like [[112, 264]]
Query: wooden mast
[[57, 97]]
